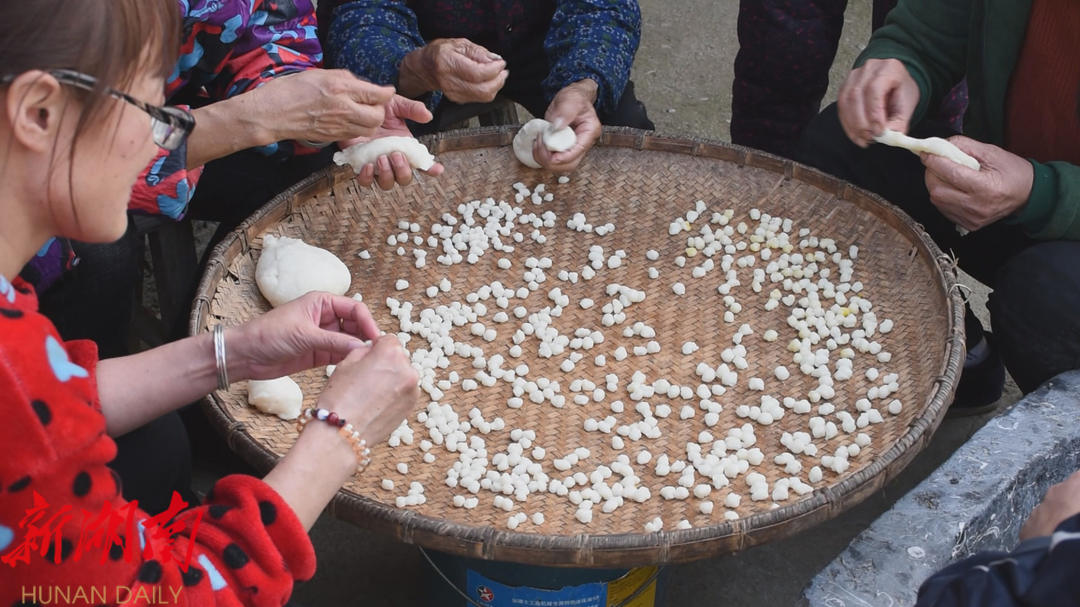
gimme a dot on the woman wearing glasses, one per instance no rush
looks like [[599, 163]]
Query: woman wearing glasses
[[249, 73], [78, 123]]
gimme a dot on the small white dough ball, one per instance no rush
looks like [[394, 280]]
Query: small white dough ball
[[288, 268], [281, 397]]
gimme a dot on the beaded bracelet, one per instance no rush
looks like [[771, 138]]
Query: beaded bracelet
[[344, 428]]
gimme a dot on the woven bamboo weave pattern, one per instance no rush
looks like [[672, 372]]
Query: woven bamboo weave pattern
[[640, 184]]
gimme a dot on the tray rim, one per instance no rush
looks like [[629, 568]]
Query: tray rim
[[611, 550]]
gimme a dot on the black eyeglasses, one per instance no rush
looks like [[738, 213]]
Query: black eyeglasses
[[170, 126]]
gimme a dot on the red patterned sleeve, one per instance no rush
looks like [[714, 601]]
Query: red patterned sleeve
[[244, 547]]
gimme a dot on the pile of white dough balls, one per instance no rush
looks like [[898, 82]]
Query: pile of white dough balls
[[556, 140], [289, 268]]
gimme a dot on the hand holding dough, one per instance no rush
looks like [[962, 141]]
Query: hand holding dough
[[288, 268], [281, 397], [559, 140], [363, 154], [933, 145]]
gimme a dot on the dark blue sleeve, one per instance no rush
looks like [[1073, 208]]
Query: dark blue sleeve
[[594, 39], [1040, 572], [370, 38]]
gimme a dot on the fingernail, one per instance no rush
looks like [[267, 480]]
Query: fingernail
[[495, 55]]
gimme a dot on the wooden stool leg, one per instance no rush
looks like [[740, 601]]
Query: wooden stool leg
[[172, 249]]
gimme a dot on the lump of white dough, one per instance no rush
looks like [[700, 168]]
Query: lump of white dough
[[289, 268], [931, 145], [281, 397], [555, 140], [363, 154], [559, 140]]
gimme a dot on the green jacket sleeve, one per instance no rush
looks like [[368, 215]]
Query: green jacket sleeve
[[1053, 208], [930, 38]]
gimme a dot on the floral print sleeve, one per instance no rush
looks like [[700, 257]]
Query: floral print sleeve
[[585, 38], [228, 47], [372, 37], [594, 39]]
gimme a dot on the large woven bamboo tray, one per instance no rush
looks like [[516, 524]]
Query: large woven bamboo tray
[[640, 182]]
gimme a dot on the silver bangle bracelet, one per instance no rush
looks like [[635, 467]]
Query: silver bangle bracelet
[[219, 357]]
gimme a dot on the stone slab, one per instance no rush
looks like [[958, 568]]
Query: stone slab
[[977, 500]]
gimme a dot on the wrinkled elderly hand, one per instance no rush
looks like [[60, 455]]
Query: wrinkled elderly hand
[[374, 390], [879, 95], [465, 72], [395, 168], [573, 107], [974, 199], [321, 106], [1061, 502], [314, 330]]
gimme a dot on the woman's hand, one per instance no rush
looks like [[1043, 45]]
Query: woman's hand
[[374, 389], [314, 330], [573, 107], [393, 168]]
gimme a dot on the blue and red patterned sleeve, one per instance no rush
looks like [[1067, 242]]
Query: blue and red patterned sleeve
[[594, 39], [229, 48], [370, 38], [166, 185]]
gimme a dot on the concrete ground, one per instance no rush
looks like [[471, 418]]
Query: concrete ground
[[683, 74]]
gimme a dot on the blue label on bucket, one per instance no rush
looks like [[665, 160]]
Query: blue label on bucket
[[490, 592]]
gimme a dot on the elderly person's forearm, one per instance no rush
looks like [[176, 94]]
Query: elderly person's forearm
[[226, 127]]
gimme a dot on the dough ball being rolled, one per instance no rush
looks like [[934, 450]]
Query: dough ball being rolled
[[289, 268], [363, 154], [555, 140], [560, 140], [281, 397]]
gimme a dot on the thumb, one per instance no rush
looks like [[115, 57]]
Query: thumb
[[410, 109], [968, 145], [897, 123], [338, 345], [480, 54]]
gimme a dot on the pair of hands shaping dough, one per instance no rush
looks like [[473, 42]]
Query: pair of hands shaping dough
[[466, 72], [374, 385], [881, 96], [324, 106]]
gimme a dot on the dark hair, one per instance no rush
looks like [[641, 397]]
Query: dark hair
[[112, 40]]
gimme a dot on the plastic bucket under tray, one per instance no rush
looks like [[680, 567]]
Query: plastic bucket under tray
[[498, 584]]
